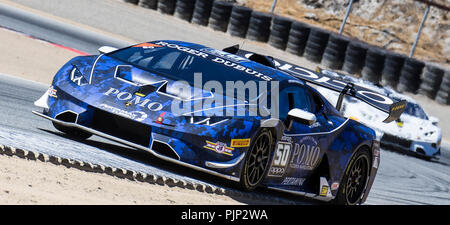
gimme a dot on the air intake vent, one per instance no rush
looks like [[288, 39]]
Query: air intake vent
[[164, 149]]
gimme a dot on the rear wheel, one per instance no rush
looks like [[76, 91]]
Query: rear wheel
[[73, 132], [257, 161], [355, 179]]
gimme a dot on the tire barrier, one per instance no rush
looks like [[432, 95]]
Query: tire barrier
[[259, 27], [202, 12], [279, 33], [431, 81], [149, 4], [334, 54], [410, 76], [298, 36], [392, 68], [184, 9], [316, 44], [373, 65], [137, 176], [239, 21], [355, 56], [443, 95], [166, 6], [135, 2], [220, 15]]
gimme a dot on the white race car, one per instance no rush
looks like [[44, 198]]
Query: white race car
[[414, 131]]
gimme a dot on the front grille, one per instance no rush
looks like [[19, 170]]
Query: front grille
[[388, 139], [121, 127]]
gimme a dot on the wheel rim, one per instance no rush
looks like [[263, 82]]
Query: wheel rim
[[258, 160], [356, 181]]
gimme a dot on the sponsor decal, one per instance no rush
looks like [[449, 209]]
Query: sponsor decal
[[183, 49], [134, 115], [334, 186], [324, 191], [52, 92], [147, 45], [280, 159], [133, 99], [219, 147], [293, 181], [306, 154], [237, 143], [226, 55]]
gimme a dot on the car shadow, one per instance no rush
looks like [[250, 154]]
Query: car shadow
[[147, 158], [414, 155]]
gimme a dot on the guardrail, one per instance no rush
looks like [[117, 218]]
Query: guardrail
[[378, 65]]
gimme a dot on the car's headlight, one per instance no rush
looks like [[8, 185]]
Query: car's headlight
[[77, 77]]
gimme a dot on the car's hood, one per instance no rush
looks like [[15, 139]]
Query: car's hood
[[148, 97]]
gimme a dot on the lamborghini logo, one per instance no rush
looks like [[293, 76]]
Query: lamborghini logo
[[128, 104]]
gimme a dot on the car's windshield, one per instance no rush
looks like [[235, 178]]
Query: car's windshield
[[178, 65], [415, 110]]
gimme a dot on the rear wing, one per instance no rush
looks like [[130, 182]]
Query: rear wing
[[392, 107]]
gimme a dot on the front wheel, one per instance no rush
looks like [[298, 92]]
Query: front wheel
[[73, 132], [355, 179], [257, 161]]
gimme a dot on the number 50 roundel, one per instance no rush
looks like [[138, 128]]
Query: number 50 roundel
[[280, 159]]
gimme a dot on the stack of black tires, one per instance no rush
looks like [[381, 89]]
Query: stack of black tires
[[410, 76], [279, 34], [443, 95], [355, 56], [392, 68], [220, 15], [431, 80], [202, 12], [334, 54], [184, 9], [298, 36], [316, 44], [259, 27], [239, 21], [373, 65]]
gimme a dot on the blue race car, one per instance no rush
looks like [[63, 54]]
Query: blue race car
[[164, 97]]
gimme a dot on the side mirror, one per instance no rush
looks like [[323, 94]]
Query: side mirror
[[300, 116], [434, 120], [106, 49]]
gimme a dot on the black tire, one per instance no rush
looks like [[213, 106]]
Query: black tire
[[72, 132], [220, 15], [316, 44], [166, 6], [392, 68], [202, 12], [373, 65], [355, 56], [354, 181], [443, 95], [239, 21], [279, 34], [334, 54], [257, 161], [149, 4], [431, 80], [184, 9], [410, 76], [298, 36], [259, 26]]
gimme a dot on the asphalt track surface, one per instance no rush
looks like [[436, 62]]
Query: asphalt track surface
[[401, 179]]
